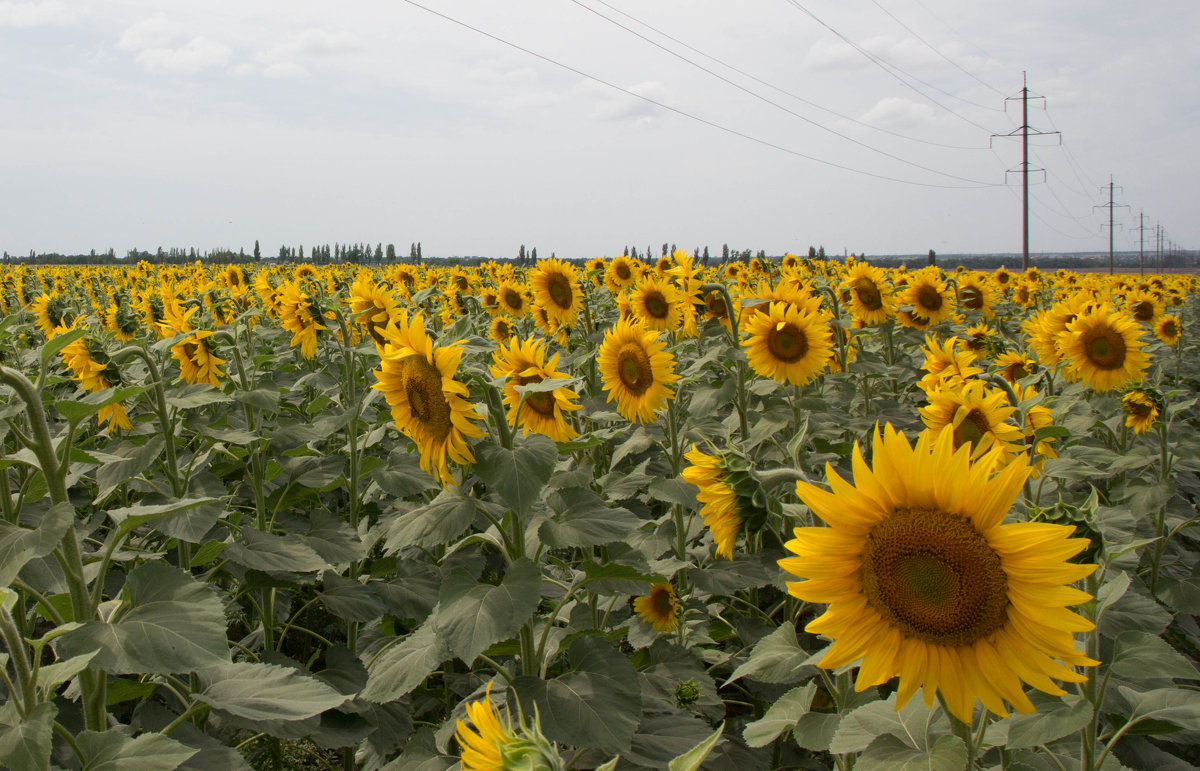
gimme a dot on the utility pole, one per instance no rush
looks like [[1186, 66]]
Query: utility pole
[[1111, 226], [1141, 229], [1024, 129]]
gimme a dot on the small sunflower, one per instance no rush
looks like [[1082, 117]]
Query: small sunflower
[[556, 290], [197, 362], [484, 740], [974, 415], [946, 364], [657, 303], [787, 345], [523, 362], [510, 296], [637, 370], [1168, 329], [93, 369], [500, 329], [1143, 306], [1014, 366], [374, 307], [300, 315], [427, 403], [1103, 349], [869, 296], [1141, 408], [720, 506], [976, 296], [923, 581], [928, 295], [659, 608], [621, 273]]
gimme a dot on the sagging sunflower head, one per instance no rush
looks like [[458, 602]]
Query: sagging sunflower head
[[487, 744]]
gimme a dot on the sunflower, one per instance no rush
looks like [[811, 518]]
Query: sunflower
[[1141, 408], [197, 362], [512, 300], [54, 314], [657, 303], [1014, 366], [621, 273], [719, 502], [1168, 328], [427, 403], [1143, 306], [300, 315], [556, 290], [1102, 348], [976, 296], [523, 362], [974, 415], [483, 742], [659, 608], [637, 370], [868, 294], [929, 298], [787, 345], [93, 369], [500, 329], [374, 306], [924, 583], [121, 320], [946, 364]]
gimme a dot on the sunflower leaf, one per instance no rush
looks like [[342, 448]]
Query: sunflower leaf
[[776, 658], [582, 519], [781, 717], [517, 475], [26, 742], [472, 616], [1141, 656]]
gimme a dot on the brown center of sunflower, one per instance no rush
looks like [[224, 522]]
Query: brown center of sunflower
[[787, 342], [559, 289], [932, 575], [656, 304], [662, 602], [971, 297], [462, 283], [1104, 348], [868, 294], [973, 428], [1169, 329], [622, 271], [426, 401], [513, 299], [1143, 311], [716, 304], [541, 402], [634, 369], [929, 298], [1139, 408]]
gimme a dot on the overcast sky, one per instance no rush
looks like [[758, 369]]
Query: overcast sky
[[212, 124]]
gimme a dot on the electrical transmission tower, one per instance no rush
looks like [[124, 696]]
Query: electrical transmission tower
[[1141, 229], [1024, 130], [1111, 226]]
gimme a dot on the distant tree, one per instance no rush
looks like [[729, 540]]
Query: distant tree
[[391, 252], [724, 252], [257, 251], [665, 252], [705, 258], [812, 252], [379, 252], [521, 255], [420, 257], [301, 252], [626, 252], [283, 253], [821, 253], [932, 257]]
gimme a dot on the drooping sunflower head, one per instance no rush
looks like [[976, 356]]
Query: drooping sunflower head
[[1141, 406], [555, 288], [659, 608], [637, 369], [923, 581], [1103, 348], [730, 498], [491, 744], [198, 363], [787, 345]]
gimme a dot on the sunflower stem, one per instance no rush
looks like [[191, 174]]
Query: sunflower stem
[[962, 730]]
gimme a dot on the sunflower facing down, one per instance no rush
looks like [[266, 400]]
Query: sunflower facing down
[[1141, 408], [428, 404], [488, 745], [659, 608], [523, 362], [637, 370], [788, 345], [923, 581], [197, 362], [719, 502]]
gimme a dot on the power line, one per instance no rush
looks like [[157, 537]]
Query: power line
[[684, 113], [889, 67], [762, 98], [952, 29], [783, 91], [953, 63]]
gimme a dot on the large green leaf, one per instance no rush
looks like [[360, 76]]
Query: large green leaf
[[914, 724], [890, 753], [114, 751], [76, 410], [597, 706], [582, 519], [1142, 656], [694, 758], [168, 622], [1055, 718], [19, 545], [437, 522], [129, 517], [517, 475], [273, 553], [472, 616], [350, 600], [1162, 710], [26, 743], [776, 658], [781, 716], [403, 667], [134, 460], [267, 692], [195, 395]]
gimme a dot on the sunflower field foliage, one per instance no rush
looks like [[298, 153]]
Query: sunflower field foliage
[[605, 515]]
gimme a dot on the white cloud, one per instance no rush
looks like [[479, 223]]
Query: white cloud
[[153, 32], [25, 15], [285, 70], [896, 112], [289, 57], [197, 54], [612, 106]]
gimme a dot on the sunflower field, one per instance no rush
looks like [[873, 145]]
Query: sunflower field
[[609, 515]]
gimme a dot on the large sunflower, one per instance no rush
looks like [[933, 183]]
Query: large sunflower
[[657, 303], [428, 404], [637, 370], [788, 345], [1102, 348], [523, 362], [556, 290], [924, 583]]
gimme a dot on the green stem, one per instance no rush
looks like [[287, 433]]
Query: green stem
[[962, 730], [16, 650], [1091, 692]]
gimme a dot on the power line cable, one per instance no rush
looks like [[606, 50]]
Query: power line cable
[[952, 29], [889, 67], [783, 91], [928, 45], [685, 114], [762, 98]]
